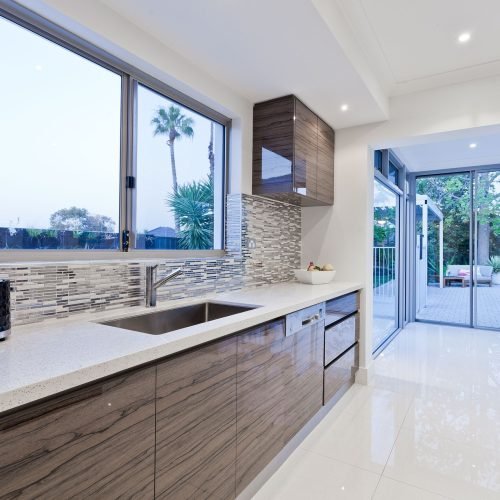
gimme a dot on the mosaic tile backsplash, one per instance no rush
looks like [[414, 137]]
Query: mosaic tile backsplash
[[263, 244]]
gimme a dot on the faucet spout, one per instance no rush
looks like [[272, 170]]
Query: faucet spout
[[168, 277], [152, 284]]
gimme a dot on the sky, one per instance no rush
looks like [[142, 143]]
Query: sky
[[60, 138]]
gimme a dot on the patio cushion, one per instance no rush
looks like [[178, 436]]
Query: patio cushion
[[464, 271]]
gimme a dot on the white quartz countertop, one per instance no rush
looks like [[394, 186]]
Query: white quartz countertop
[[43, 359]]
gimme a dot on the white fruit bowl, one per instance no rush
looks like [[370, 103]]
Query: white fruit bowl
[[314, 277]]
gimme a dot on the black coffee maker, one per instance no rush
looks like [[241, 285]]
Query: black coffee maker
[[4, 308]]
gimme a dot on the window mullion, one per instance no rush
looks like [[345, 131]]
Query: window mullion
[[128, 160]]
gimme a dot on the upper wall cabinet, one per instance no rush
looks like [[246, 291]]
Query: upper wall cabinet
[[292, 153]]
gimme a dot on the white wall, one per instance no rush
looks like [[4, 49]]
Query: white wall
[[343, 234], [95, 22]]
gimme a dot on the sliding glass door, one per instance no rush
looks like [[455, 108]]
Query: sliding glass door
[[486, 274], [385, 263], [443, 245], [457, 228]]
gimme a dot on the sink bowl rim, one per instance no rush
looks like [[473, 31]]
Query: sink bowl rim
[[156, 310]]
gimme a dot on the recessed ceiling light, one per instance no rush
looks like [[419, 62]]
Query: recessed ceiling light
[[344, 107], [472, 145], [38, 67], [464, 37]]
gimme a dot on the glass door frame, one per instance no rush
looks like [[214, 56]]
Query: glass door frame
[[401, 310], [475, 172], [410, 291]]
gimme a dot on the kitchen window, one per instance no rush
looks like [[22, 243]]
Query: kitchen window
[[179, 171], [96, 155], [59, 146]]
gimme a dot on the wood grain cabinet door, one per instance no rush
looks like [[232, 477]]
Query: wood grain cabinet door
[[305, 150], [304, 380], [273, 146], [325, 170], [92, 443], [196, 423], [340, 337], [261, 372]]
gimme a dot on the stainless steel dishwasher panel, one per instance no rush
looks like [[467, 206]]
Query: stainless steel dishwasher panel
[[298, 320]]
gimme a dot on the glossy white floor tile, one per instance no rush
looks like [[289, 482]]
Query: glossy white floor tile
[[306, 475], [388, 489], [427, 427], [454, 469], [365, 439]]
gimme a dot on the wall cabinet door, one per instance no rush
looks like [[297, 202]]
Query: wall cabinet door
[[325, 170], [196, 423], [304, 379], [293, 153], [305, 151], [273, 129], [94, 442], [261, 375]]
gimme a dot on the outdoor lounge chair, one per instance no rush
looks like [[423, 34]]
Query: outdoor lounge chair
[[484, 276]]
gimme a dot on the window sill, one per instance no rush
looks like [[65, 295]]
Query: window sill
[[11, 257]]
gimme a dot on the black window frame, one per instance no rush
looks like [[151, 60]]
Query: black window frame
[[131, 77]]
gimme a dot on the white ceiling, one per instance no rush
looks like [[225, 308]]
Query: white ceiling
[[412, 44], [262, 49], [453, 153]]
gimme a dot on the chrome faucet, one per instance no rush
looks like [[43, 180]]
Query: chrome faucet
[[152, 285]]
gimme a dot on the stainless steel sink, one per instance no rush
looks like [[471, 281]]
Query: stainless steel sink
[[158, 322]]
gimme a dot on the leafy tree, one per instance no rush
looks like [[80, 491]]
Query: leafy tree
[[79, 219], [173, 124], [193, 206], [452, 195], [384, 230]]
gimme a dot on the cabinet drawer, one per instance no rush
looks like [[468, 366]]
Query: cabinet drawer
[[340, 337], [340, 374], [337, 309]]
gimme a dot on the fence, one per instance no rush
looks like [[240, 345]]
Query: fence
[[384, 271], [53, 239]]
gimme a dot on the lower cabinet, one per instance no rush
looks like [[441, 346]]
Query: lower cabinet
[[260, 390], [341, 336], [94, 442], [304, 377], [279, 388], [340, 374], [196, 423], [202, 424]]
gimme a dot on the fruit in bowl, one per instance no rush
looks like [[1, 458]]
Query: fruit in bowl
[[315, 275]]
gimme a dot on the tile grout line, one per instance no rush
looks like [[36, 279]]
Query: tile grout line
[[338, 461], [395, 440], [397, 436]]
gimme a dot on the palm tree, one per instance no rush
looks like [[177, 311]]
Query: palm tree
[[193, 205], [172, 123]]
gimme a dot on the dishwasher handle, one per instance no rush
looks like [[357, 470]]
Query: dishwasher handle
[[312, 319], [309, 316]]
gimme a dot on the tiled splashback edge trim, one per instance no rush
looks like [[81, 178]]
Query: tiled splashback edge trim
[[263, 244]]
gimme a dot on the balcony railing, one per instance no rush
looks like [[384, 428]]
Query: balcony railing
[[384, 271]]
